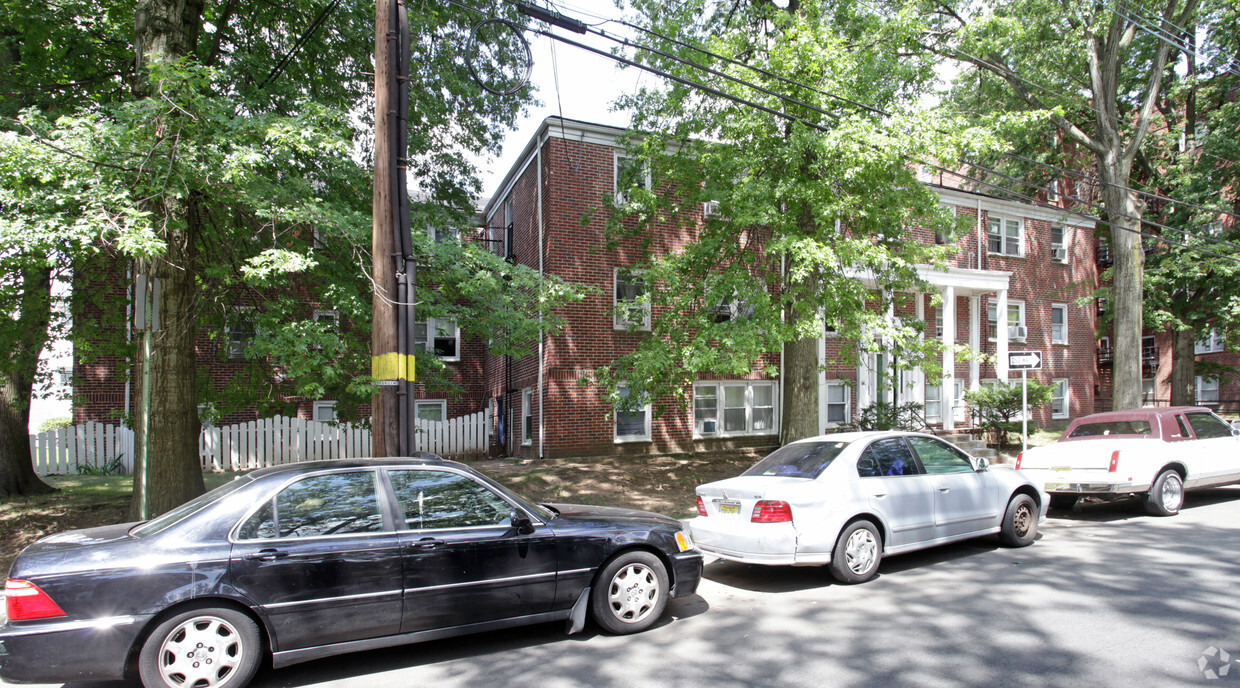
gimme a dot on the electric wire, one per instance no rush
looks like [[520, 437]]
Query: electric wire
[[301, 41]]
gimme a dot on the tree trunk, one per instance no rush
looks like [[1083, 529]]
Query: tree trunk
[[1183, 368], [17, 476], [799, 416], [167, 470], [1126, 286]]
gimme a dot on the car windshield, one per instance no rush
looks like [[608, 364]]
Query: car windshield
[[189, 508], [1112, 427], [798, 460]]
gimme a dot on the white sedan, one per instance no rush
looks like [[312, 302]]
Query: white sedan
[[846, 500]]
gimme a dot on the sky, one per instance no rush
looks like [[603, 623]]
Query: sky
[[569, 81]]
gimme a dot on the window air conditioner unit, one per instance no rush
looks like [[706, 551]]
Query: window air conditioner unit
[[1059, 253], [710, 209], [1017, 332]]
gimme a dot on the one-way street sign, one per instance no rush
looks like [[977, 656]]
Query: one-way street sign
[[1024, 360]]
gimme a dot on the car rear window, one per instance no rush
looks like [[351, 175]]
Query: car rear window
[[1112, 427], [190, 508], [798, 460]]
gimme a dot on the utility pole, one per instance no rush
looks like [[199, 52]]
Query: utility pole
[[392, 264]]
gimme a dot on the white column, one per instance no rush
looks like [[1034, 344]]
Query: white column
[[822, 375], [1001, 336], [975, 341], [919, 375], [949, 358]]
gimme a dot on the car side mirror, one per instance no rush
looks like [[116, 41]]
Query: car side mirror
[[982, 463], [521, 521]]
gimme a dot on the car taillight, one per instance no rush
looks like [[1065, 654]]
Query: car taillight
[[1019, 457], [24, 601], [701, 506], [769, 511], [1114, 461]]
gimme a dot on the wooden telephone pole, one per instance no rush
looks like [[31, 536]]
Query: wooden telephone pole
[[392, 264]]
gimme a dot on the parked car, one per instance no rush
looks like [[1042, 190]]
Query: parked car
[[315, 559], [1153, 453], [849, 499]]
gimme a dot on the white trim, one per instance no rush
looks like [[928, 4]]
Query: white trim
[[1063, 307], [1004, 241], [748, 405], [428, 342], [1214, 343], [527, 419], [827, 403], [618, 155], [1018, 326], [618, 321], [989, 204], [442, 404], [1067, 392], [621, 439], [1207, 386], [319, 409]]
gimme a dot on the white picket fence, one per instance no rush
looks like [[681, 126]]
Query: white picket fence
[[65, 450], [256, 444]]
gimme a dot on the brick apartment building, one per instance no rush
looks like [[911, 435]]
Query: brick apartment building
[[1013, 283]]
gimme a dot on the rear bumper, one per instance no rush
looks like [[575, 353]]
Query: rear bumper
[[67, 650], [772, 544], [1085, 482]]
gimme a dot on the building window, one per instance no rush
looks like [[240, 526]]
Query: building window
[[1207, 390], [938, 322], [934, 402], [1059, 323], [438, 234], [1052, 191], [240, 331], [630, 173], [527, 416], [838, 397], [1059, 249], [632, 308], [724, 409], [324, 411], [444, 340], [1059, 398], [831, 329], [1015, 320], [1005, 236], [431, 410], [632, 426], [1211, 343], [1147, 392]]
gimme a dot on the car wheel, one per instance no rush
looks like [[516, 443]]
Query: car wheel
[[630, 593], [202, 648], [1166, 496], [1063, 502], [1020, 522], [857, 553]]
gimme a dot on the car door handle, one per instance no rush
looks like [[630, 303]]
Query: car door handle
[[879, 495], [945, 490], [424, 543], [266, 555]]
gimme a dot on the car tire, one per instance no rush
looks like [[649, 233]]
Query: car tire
[[1020, 522], [1166, 496], [1063, 502], [203, 647], [630, 593], [857, 553]]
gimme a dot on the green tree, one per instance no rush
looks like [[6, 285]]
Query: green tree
[[236, 171], [998, 406], [815, 207], [1087, 77]]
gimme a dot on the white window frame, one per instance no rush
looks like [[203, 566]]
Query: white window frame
[[1063, 338], [621, 439], [938, 322], [1149, 392], [441, 404], [322, 408], [333, 315], [1052, 191], [527, 416], [1207, 391], [926, 402], [1061, 396], [719, 387], [1005, 248], [617, 194], [847, 403], [428, 341], [1062, 243], [619, 321], [992, 308], [236, 347], [1212, 343]]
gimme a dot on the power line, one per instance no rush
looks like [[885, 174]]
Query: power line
[[314, 26]]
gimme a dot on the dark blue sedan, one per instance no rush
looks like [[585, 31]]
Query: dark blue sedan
[[320, 558]]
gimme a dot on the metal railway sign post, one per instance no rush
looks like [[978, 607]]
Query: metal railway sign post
[[1024, 361]]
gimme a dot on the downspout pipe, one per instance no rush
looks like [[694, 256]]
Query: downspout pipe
[[541, 333]]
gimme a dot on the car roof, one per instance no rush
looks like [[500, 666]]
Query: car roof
[[859, 435], [312, 466], [1145, 412]]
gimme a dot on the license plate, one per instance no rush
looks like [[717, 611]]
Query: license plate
[[729, 507], [1061, 469]]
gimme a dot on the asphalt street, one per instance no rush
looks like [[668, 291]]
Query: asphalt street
[[1105, 597]]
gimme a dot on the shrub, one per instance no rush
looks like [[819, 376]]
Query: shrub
[[885, 416], [55, 424], [998, 406]]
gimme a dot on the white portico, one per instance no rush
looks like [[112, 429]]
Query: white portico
[[952, 284]]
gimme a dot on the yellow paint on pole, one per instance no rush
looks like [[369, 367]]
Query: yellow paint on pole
[[393, 366]]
